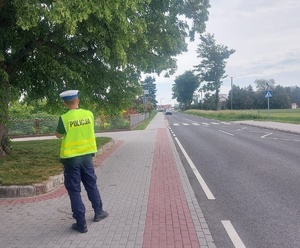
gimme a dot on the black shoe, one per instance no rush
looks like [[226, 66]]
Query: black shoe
[[79, 228], [101, 216]]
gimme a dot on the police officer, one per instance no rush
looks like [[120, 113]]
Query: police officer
[[76, 128]]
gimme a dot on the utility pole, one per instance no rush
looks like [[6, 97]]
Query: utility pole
[[231, 91], [268, 88]]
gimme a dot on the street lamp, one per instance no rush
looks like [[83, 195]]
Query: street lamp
[[161, 106], [231, 92]]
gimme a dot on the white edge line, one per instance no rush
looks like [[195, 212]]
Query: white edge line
[[236, 240], [200, 179], [226, 133], [264, 136]]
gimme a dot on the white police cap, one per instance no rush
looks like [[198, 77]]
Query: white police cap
[[69, 94]]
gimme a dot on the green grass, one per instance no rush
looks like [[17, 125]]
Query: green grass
[[277, 115], [34, 161], [145, 123]]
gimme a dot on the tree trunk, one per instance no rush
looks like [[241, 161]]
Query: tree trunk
[[5, 142], [4, 101]]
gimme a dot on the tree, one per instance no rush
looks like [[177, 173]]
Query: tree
[[294, 93], [208, 101], [243, 98], [184, 88], [246, 98], [99, 47], [212, 67], [264, 84], [249, 101], [280, 98], [236, 98], [149, 85]]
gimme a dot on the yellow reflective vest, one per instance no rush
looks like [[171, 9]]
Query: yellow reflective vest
[[79, 138]]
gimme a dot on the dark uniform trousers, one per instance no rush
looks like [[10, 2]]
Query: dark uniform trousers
[[76, 170]]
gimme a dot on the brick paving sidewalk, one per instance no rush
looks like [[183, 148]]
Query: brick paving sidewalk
[[144, 188], [169, 222]]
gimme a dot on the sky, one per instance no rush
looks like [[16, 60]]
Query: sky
[[265, 35]]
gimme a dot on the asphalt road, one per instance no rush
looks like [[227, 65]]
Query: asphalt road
[[253, 175]]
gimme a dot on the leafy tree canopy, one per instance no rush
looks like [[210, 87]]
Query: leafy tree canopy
[[184, 88], [98, 47], [264, 84], [149, 85], [246, 98], [212, 67]]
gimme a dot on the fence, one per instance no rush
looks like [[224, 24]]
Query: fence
[[19, 127], [138, 118], [45, 126]]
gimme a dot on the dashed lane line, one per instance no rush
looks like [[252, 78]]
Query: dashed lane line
[[231, 134], [266, 135]]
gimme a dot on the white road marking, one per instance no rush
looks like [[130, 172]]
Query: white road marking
[[176, 124], [236, 240], [172, 132], [185, 124], [226, 123], [264, 136], [226, 133], [200, 179], [215, 123], [195, 124], [274, 138], [205, 124]]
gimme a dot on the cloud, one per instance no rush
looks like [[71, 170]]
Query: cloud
[[265, 35]]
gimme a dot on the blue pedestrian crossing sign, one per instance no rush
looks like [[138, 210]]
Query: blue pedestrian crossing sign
[[268, 93]]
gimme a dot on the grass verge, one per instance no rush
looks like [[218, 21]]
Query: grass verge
[[277, 115], [34, 161]]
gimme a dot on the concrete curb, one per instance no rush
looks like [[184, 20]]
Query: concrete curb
[[288, 128], [53, 182]]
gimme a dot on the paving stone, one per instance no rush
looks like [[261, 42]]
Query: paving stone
[[132, 176]]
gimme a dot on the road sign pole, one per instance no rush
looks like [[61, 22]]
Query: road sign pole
[[268, 107], [268, 94]]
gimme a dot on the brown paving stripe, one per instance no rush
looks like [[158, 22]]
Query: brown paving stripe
[[168, 221]]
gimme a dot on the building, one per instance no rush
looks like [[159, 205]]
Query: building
[[163, 107]]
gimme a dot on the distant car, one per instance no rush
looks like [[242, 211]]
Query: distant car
[[168, 112]]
